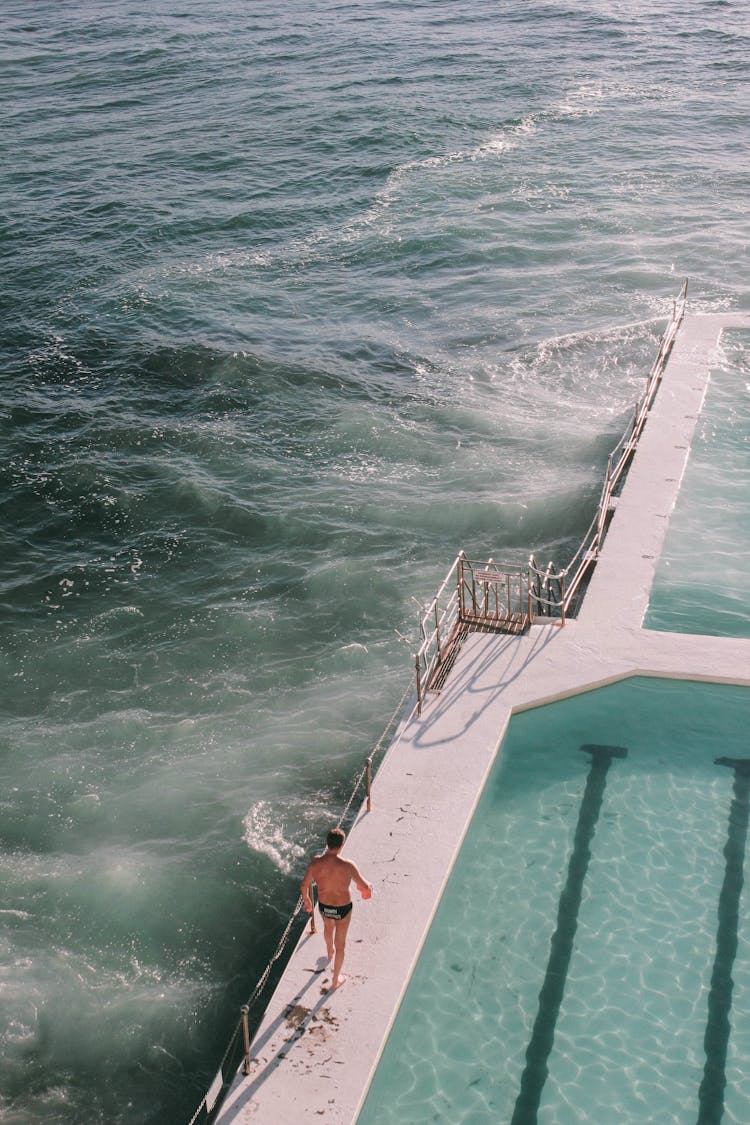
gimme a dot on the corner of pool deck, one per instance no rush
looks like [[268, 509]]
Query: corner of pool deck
[[315, 1051]]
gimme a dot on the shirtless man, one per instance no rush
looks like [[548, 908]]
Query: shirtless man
[[333, 876]]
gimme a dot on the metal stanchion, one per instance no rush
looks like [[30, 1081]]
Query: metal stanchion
[[246, 1039]]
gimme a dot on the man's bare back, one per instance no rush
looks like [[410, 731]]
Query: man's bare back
[[333, 877]]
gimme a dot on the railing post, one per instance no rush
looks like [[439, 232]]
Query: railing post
[[246, 1039], [369, 784], [562, 600], [437, 632], [419, 683]]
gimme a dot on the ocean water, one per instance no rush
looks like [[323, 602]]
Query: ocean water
[[298, 300]]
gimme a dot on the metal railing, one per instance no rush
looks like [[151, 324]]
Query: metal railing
[[571, 581], [474, 594], [437, 626], [491, 593], [547, 589]]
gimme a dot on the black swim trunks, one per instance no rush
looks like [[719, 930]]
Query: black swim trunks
[[338, 913]]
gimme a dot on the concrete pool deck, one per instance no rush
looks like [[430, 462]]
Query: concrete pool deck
[[315, 1051]]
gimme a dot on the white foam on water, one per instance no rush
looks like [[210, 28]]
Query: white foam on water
[[198, 321], [263, 833]]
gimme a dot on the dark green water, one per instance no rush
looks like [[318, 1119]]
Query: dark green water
[[297, 300]]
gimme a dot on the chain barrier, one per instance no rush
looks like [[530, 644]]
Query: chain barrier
[[239, 1044]]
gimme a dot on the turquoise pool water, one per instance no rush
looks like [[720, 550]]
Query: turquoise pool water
[[589, 961], [703, 575]]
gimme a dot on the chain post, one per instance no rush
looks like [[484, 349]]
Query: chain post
[[245, 1038]]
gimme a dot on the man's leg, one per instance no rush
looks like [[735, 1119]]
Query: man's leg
[[328, 927], [341, 929]]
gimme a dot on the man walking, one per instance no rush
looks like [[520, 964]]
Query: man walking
[[333, 877]]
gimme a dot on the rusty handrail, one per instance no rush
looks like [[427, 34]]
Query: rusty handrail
[[449, 607], [470, 593], [619, 460]]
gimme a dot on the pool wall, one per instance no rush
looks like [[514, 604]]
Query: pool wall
[[316, 1051]]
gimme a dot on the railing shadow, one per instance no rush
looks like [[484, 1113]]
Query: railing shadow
[[506, 656]]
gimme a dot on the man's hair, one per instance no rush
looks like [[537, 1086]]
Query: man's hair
[[335, 839]]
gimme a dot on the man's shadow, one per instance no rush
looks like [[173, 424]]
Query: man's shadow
[[297, 1018]]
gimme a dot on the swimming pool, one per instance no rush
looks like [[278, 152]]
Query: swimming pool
[[589, 960], [703, 574]]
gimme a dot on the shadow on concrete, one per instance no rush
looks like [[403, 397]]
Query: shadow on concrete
[[298, 1019], [505, 658]]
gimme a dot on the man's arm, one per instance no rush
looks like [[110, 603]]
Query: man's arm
[[306, 889], [364, 888]]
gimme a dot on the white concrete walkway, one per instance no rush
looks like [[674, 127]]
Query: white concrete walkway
[[316, 1051]]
